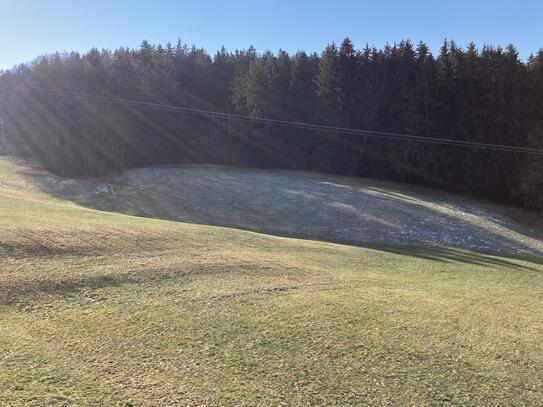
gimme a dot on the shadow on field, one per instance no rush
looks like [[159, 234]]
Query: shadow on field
[[354, 211], [16, 291], [450, 255], [441, 254], [142, 205]]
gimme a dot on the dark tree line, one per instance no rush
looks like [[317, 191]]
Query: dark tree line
[[487, 95]]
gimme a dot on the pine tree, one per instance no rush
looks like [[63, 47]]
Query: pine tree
[[328, 83]]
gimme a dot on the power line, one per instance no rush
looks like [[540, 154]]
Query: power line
[[298, 125]]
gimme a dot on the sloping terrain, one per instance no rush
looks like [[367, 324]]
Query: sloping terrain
[[100, 308], [332, 208]]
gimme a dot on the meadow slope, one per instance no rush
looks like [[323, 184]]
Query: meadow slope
[[103, 308], [338, 209]]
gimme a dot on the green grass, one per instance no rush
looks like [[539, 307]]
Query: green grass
[[102, 309]]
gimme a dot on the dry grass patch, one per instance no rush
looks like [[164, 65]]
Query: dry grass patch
[[107, 309]]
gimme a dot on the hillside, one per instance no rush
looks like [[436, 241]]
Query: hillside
[[104, 308], [350, 210]]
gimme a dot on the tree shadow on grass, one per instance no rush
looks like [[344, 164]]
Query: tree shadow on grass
[[351, 211], [475, 257], [443, 254], [341, 209], [438, 252]]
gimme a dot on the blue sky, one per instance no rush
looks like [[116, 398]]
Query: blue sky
[[29, 28]]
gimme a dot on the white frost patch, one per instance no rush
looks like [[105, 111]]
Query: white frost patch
[[344, 209]]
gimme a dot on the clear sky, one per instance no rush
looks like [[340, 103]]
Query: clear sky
[[29, 28]]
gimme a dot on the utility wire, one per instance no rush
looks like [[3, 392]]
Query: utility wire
[[294, 124]]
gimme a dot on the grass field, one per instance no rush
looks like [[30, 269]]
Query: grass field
[[104, 309]]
